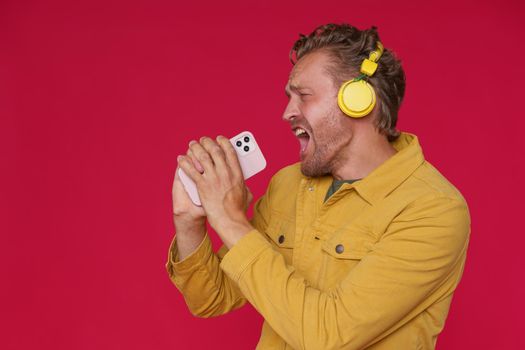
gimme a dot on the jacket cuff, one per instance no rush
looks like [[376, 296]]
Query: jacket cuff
[[243, 254], [178, 269]]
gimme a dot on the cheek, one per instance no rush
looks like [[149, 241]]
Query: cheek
[[331, 132], [316, 112]]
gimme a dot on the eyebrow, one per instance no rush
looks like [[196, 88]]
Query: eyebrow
[[291, 87]]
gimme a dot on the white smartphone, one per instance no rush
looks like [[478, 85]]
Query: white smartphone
[[250, 158]]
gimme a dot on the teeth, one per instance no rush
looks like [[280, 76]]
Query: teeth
[[299, 132]]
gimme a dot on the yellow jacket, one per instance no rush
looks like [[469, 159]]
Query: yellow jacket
[[374, 267]]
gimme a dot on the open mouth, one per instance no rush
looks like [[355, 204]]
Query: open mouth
[[304, 138]]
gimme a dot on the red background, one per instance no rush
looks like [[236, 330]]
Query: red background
[[97, 98]]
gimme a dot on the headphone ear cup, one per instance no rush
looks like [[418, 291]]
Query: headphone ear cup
[[356, 98]]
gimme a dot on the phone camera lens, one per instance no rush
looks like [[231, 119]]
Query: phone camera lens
[[246, 148], [246, 139], [238, 143]]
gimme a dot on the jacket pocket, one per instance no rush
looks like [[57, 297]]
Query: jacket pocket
[[281, 232], [342, 251]]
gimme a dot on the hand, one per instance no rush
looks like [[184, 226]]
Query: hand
[[184, 211], [223, 193], [183, 207]]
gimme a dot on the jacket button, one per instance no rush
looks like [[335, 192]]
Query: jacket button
[[281, 239], [339, 248]]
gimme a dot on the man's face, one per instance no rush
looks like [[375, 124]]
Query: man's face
[[312, 111]]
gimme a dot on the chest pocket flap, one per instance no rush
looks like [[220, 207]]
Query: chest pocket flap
[[348, 243], [282, 232]]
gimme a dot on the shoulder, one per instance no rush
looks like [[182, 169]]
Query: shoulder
[[435, 201], [284, 186], [288, 176], [430, 183]]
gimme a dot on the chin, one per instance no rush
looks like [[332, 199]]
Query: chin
[[313, 169]]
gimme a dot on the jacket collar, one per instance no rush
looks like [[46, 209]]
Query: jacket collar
[[389, 175]]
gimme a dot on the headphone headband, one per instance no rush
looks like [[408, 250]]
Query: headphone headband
[[369, 65], [376, 54]]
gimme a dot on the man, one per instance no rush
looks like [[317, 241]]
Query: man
[[360, 245]]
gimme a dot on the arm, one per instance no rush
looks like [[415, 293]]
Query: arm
[[417, 261], [206, 289], [195, 269], [189, 236]]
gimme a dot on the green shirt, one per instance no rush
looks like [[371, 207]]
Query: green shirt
[[336, 184]]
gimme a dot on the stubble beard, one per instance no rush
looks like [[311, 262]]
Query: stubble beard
[[328, 139]]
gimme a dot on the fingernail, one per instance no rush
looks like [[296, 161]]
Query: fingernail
[[179, 158], [192, 142]]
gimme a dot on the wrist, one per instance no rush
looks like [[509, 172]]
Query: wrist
[[232, 231], [189, 223]]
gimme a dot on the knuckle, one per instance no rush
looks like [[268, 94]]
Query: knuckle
[[202, 157], [216, 151], [195, 145], [184, 166], [194, 148]]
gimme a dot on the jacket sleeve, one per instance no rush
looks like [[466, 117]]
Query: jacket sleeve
[[207, 290], [416, 262]]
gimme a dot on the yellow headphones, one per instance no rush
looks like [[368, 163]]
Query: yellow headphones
[[357, 97]]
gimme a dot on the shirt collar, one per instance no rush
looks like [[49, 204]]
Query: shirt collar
[[389, 175]]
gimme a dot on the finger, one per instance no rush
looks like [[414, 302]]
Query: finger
[[202, 156], [217, 154], [196, 163], [231, 156], [187, 165]]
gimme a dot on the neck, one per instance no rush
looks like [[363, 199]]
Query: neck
[[362, 155]]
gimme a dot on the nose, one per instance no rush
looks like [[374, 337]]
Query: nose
[[291, 111]]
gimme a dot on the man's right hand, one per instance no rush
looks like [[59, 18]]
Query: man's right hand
[[183, 207], [189, 220]]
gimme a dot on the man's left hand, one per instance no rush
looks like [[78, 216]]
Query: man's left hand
[[222, 191]]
